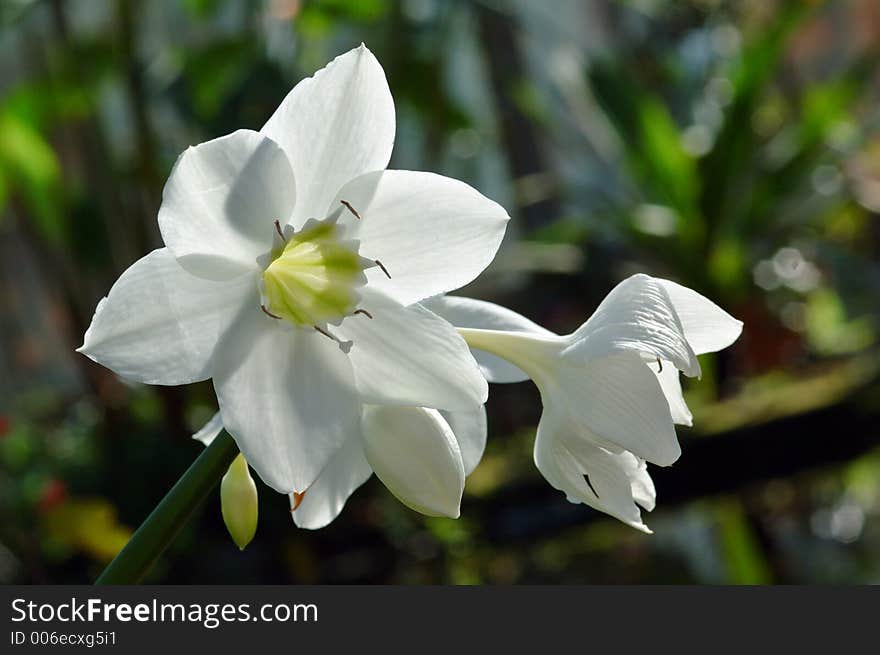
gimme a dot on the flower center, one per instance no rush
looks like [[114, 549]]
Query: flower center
[[313, 277], [314, 274]]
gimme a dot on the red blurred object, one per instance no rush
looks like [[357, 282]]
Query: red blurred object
[[54, 493], [5, 426], [768, 345]]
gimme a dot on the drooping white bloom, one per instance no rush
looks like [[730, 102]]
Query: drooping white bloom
[[610, 390], [421, 455], [291, 261]]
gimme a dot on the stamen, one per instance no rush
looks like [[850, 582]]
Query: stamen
[[351, 209], [297, 499], [364, 312], [590, 484], [344, 346], [268, 313], [382, 266], [660, 364], [327, 334], [278, 230]]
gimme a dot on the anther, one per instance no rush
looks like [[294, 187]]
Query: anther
[[297, 500], [382, 266], [660, 364], [268, 313], [344, 346], [590, 484], [351, 209], [278, 230], [364, 312]]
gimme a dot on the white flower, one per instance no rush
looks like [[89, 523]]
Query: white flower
[[610, 390], [291, 258], [421, 455]]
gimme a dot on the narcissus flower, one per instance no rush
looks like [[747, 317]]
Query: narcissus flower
[[610, 390], [421, 455], [292, 260]]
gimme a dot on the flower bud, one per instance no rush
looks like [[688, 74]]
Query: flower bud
[[415, 454], [238, 502]]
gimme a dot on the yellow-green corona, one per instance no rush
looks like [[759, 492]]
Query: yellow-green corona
[[313, 276]]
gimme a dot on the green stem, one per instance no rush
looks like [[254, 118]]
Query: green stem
[[171, 514]]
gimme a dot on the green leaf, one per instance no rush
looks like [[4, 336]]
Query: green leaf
[[30, 168], [742, 553]]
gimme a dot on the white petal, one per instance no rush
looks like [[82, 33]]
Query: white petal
[[707, 327], [287, 396], [335, 126], [347, 470], [610, 482], [414, 453], [642, 485], [669, 381], [220, 202], [637, 315], [160, 325], [410, 356], [432, 233], [471, 313], [209, 431], [469, 428], [618, 399]]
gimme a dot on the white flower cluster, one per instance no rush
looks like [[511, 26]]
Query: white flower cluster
[[308, 283]]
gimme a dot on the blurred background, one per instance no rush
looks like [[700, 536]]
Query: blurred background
[[731, 146]]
